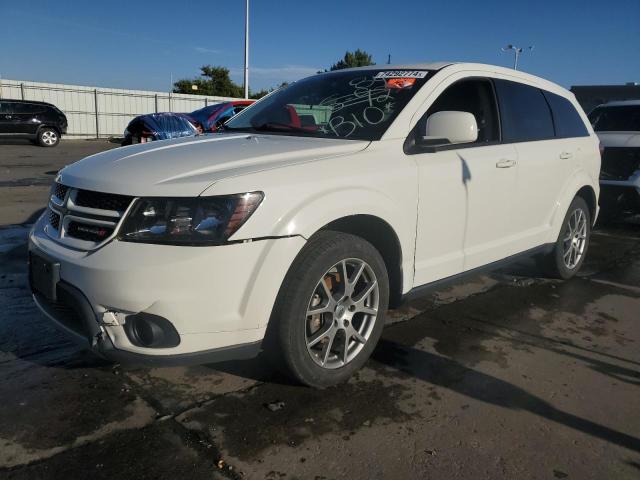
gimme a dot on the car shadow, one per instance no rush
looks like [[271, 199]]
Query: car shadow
[[19, 141], [449, 374]]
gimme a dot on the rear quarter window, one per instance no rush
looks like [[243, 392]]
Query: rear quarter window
[[524, 112], [566, 119]]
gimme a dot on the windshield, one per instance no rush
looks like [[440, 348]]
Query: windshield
[[624, 118], [358, 105]]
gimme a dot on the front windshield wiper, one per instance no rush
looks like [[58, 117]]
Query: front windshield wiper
[[226, 128]]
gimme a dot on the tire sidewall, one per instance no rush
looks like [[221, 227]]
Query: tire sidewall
[[292, 314]]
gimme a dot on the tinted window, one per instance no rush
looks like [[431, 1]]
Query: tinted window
[[565, 117], [474, 96], [6, 107], [524, 112], [623, 118], [28, 108]]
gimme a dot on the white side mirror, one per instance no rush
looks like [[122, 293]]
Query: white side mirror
[[454, 127]]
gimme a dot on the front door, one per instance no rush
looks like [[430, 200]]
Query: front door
[[6, 121], [466, 193]]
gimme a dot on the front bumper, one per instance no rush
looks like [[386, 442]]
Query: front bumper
[[218, 299]]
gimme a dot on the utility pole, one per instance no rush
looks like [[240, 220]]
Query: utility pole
[[246, 50], [517, 52], [389, 60]]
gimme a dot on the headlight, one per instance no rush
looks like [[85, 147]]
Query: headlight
[[188, 221]]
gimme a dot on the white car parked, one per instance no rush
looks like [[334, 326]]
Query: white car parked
[[315, 210], [618, 127]]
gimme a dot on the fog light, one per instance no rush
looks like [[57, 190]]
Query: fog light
[[151, 331]]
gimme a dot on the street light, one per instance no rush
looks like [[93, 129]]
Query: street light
[[246, 50], [516, 50]]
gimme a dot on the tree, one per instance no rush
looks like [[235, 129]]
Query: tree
[[359, 58], [260, 93], [213, 81], [263, 92]]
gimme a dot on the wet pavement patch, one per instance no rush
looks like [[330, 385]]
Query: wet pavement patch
[[246, 427], [44, 407], [162, 450]]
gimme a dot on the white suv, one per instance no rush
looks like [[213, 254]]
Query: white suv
[[618, 127], [315, 210]]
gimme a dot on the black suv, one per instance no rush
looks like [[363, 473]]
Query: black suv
[[38, 121]]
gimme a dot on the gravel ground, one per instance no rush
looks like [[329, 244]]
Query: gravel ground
[[503, 376]]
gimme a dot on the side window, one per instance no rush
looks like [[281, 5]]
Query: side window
[[6, 107], [565, 117], [474, 96], [524, 112], [27, 108]]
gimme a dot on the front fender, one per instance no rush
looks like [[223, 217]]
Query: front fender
[[302, 199]]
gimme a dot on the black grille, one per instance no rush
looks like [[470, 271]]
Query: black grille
[[54, 219], [102, 201], [90, 233], [619, 163], [60, 191]]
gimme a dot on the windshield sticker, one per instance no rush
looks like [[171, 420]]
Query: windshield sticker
[[402, 74], [400, 83], [371, 99]]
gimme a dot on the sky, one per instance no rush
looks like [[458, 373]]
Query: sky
[[142, 45]]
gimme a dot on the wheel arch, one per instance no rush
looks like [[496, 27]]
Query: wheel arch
[[580, 184], [589, 195], [383, 237], [52, 127]]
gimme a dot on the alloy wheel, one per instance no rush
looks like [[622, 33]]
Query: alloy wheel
[[342, 313], [49, 137], [575, 239]]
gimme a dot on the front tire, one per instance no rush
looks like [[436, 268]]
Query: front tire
[[571, 247], [330, 310], [48, 137]]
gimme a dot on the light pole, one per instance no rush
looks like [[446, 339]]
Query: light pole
[[517, 52], [246, 50]]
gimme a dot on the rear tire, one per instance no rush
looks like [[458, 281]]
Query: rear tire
[[570, 249], [48, 137], [324, 328]]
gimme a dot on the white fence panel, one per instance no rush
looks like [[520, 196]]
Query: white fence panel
[[95, 112]]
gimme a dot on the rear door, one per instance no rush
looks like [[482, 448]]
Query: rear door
[[544, 162], [26, 117]]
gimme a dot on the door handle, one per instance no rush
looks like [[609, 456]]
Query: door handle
[[566, 155], [506, 163]]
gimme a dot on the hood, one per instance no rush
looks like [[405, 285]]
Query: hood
[[188, 166], [619, 139]]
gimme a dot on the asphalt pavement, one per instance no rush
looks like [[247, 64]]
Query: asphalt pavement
[[504, 376]]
